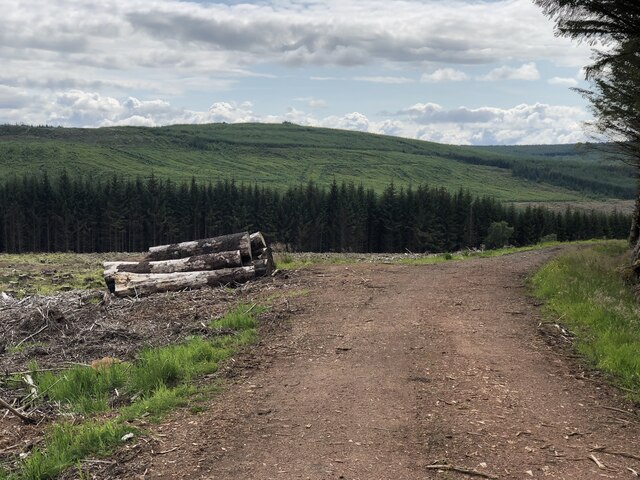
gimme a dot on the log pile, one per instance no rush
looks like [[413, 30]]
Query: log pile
[[224, 260]]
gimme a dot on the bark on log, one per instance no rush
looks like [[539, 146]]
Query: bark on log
[[211, 261], [263, 267], [133, 284], [225, 243]]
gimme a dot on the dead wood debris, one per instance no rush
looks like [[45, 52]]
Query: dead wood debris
[[466, 471], [617, 453], [15, 411]]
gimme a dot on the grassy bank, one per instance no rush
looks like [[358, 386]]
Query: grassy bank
[[102, 402], [281, 155], [289, 261], [585, 291]]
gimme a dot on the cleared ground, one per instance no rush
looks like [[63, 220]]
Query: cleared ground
[[383, 371]]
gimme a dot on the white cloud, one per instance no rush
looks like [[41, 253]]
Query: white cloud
[[83, 63], [386, 80], [444, 75], [350, 121], [565, 82], [94, 42], [522, 124], [527, 71], [313, 103], [13, 98]]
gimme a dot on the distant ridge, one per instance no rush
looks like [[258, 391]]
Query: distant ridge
[[280, 155]]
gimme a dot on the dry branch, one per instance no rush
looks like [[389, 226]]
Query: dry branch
[[466, 471], [597, 462], [19, 414], [615, 452], [32, 335]]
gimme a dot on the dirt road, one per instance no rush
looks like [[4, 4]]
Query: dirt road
[[389, 369]]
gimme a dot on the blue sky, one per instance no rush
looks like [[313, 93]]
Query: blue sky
[[460, 71]]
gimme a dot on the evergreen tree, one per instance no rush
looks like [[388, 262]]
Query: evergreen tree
[[615, 73]]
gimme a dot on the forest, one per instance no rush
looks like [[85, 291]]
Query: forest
[[82, 214], [279, 155]]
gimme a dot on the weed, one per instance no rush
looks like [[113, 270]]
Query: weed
[[174, 364], [66, 444], [242, 317], [157, 381], [159, 403], [587, 290], [84, 389]]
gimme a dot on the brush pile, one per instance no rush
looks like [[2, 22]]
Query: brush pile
[[225, 260]]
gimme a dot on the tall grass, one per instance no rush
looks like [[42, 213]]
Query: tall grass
[[157, 381], [86, 389], [586, 289], [241, 318], [67, 444]]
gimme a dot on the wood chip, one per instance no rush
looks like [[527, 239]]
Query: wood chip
[[597, 462], [167, 451]]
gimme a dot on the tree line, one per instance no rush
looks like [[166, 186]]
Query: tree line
[[82, 214], [613, 27]]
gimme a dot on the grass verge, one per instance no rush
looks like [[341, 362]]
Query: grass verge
[[290, 261], [159, 380], [586, 290]]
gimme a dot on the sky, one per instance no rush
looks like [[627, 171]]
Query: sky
[[452, 71]]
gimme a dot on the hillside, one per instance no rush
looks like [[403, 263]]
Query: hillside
[[280, 155]]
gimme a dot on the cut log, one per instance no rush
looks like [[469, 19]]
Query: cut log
[[257, 243], [225, 243], [211, 261], [134, 284], [263, 261], [263, 267]]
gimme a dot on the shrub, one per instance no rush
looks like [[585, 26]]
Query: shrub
[[498, 235]]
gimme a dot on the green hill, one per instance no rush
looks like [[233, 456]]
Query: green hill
[[279, 155]]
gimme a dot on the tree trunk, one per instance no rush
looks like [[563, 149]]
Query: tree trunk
[[134, 284], [225, 243], [211, 261], [634, 238]]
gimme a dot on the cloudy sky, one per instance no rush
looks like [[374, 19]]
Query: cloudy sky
[[452, 71]]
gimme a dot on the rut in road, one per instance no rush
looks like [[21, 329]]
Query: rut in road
[[388, 369]]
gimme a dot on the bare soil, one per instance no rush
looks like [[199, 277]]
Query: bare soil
[[383, 371]]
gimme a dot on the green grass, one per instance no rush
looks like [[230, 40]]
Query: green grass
[[585, 290], [243, 317], [49, 273], [284, 155], [157, 381], [67, 444], [85, 390], [290, 261]]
